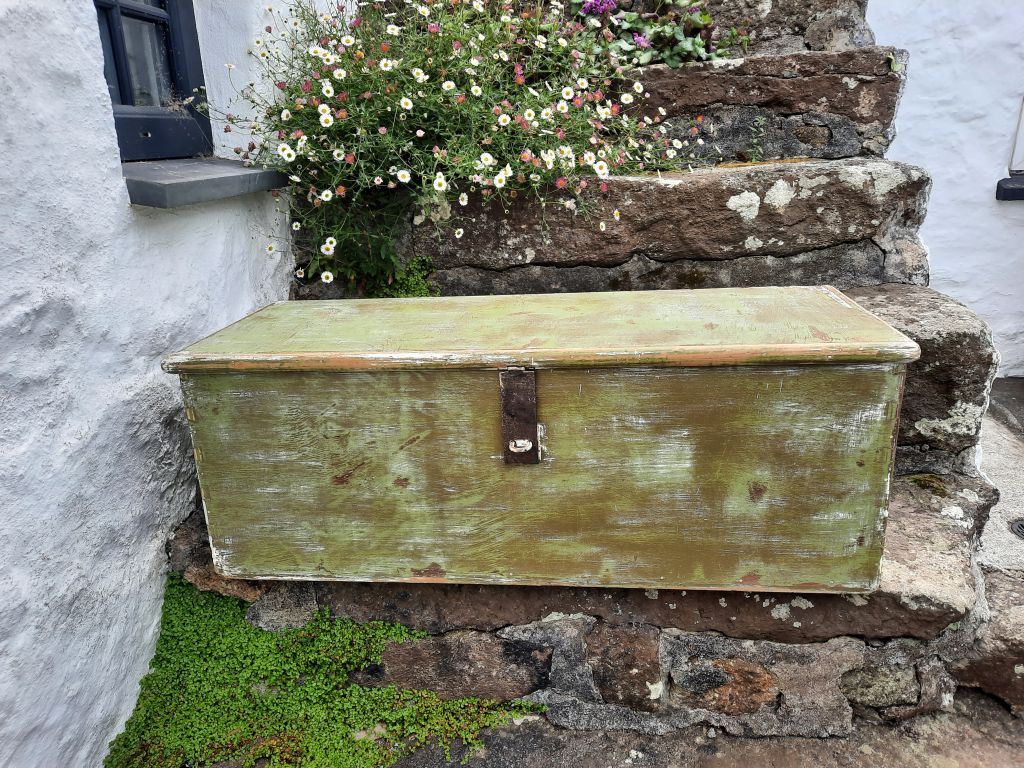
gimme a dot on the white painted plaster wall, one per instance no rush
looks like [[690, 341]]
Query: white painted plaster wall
[[965, 83], [94, 467]]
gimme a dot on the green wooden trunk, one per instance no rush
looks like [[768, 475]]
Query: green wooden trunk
[[726, 439]]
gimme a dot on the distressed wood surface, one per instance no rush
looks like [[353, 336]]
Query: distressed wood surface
[[752, 478], [727, 326]]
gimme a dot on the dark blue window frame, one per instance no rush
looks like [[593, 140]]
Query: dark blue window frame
[[169, 130]]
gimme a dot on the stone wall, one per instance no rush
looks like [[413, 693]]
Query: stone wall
[[95, 460]]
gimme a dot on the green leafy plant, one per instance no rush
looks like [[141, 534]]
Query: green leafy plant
[[426, 105], [672, 33], [220, 689]]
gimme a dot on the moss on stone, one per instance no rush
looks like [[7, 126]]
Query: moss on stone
[[411, 281], [931, 483], [220, 689]]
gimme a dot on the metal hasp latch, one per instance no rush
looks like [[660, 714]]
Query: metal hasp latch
[[519, 438]]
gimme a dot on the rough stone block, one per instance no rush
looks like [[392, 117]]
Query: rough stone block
[[461, 664], [996, 664], [762, 689], [779, 210], [947, 390], [626, 666], [842, 266], [809, 104], [783, 26]]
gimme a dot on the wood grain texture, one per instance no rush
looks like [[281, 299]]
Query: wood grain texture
[[752, 478], [727, 326]]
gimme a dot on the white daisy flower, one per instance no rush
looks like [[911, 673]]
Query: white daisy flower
[[326, 195], [439, 182], [602, 226], [546, 113], [562, 107], [393, 29], [326, 120], [463, 199], [327, 277], [476, 90], [340, 74], [582, 83], [300, 273], [348, 41], [386, 65], [601, 169], [405, 102], [423, 11], [670, 153], [327, 250], [567, 93], [286, 115], [504, 120], [288, 154], [638, 87], [529, 115], [459, 233], [616, 214], [270, 248], [296, 226], [564, 151], [282, 149], [338, 154], [626, 98], [331, 241], [589, 157], [323, 109], [499, 181], [447, 85], [486, 159], [404, 176]]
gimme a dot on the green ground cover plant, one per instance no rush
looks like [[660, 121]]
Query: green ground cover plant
[[220, 689]]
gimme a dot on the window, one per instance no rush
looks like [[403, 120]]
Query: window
[[151, 61]]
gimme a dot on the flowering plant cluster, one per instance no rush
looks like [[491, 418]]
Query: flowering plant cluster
[[432, 104]]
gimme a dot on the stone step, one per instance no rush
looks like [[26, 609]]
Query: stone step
[[847, 223], [947, 390], [749, 664], [787, 26], [808, 104], [975, 732]]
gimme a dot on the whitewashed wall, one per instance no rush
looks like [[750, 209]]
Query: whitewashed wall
[[965, 83], [94, 469]]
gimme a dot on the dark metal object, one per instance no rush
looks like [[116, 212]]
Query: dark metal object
[[1017, 528], [1011, 188], [519, 436]]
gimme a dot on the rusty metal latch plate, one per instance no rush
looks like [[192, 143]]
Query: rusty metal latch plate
[[519, 435]]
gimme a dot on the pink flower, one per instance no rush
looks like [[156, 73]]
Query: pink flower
[[307, 86], [456, 45], [382, 130], [433, 27], [561, 182], [356, 22], [282, 84]]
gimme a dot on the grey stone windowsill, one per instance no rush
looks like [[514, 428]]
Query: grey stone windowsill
[[173, 183]]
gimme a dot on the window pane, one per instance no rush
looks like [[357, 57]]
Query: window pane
[[146, 45], [109, 66]]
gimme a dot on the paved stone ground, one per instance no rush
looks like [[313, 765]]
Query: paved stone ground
[[977, 733], [1002, 445]]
